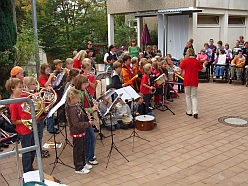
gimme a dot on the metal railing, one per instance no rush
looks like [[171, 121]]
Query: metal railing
[[35, 147]]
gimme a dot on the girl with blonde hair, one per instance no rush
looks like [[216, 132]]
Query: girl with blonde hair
[[30, 87], [78, 59], [78, 125]]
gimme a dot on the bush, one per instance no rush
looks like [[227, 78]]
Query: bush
[[99, 58]]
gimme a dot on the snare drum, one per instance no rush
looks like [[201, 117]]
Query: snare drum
[[127, 120], [161, 79], [144, 122]]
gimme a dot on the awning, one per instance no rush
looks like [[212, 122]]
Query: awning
[[174, 11]]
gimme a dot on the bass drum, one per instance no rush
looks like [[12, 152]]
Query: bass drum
[[144, 122]]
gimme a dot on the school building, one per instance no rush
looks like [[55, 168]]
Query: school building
[[179, 20]]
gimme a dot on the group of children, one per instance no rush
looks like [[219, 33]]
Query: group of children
[[58, 82], [146, 70], [79, 85]]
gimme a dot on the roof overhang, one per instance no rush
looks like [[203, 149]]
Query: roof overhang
[[174, 11]]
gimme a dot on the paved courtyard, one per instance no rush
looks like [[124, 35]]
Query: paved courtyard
[[182, 150]]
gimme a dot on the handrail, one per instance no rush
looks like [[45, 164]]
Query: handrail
[[35, 131]]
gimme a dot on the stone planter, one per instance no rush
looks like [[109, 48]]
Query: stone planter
[[100, 67]]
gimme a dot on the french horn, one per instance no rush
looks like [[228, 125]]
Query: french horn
[[43, 102], [38, 105]]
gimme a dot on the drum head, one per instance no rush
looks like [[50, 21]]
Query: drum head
[[144, 118]]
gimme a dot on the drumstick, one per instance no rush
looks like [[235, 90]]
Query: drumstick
[[174, 90], [131, 80], [179, 76]]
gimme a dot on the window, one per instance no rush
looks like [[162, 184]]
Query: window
[[207, 20], [235, 20]]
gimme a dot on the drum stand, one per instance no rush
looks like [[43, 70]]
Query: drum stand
[[164, 107], [113, 143], [134, 133]]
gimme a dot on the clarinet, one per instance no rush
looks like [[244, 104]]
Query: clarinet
[[84, 111]]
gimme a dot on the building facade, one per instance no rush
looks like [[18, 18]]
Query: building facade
[[180, 20]]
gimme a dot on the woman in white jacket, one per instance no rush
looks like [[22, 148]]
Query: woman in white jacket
[[220, 64]]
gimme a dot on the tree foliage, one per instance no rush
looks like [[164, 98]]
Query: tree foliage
[[25, 43], [7, 41], [67, 25], [124, 32], [7, 26]]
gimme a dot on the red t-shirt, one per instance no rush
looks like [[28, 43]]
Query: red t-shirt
[[92, 79], [145, 80], [43, 80], [77, 63], [16, 111], [191, 66]]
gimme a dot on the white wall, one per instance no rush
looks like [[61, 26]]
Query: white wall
[[223, 4], [203, 34], [233, 35]]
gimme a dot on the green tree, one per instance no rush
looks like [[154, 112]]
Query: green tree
[[7, 41], [25, 43], [67, 25], [124, 32]]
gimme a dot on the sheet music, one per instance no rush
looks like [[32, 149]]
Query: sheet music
[[114, 102], [60, 103], [128, 93]]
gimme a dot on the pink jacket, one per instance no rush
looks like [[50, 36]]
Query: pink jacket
[[201, 57]]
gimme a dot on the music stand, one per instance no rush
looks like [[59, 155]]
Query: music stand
[[100, 77], [106, 95], [129, 94], [164, 107], [108, 112], [57, 156]]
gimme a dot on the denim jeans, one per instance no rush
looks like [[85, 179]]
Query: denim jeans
[[219, 70], [90, 144], [40, 127], [113, 127], [50, 124], [28, 157]]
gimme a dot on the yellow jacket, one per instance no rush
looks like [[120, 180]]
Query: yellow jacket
[[239, 62]]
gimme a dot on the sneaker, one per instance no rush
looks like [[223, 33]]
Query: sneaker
[[166, 102], [87, 166], [83, 171], [214, 77], [94, 162], [221, 77], [94, 157], [239, 79], [170, 100]]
